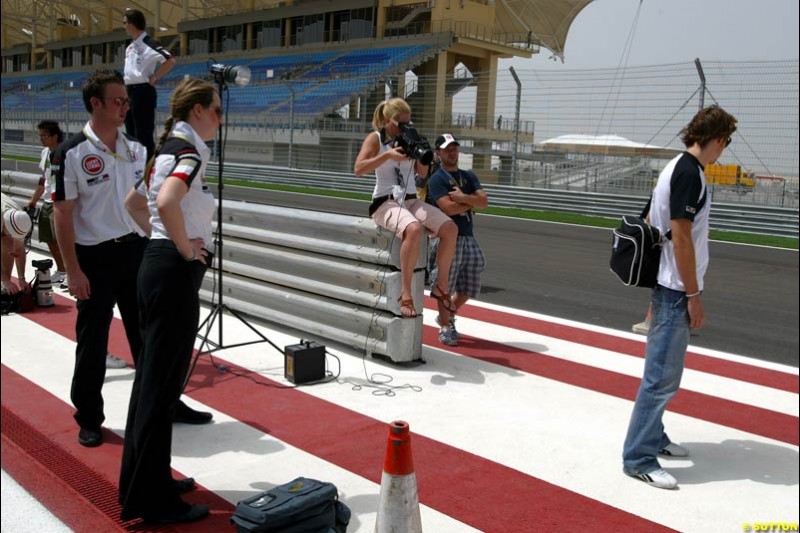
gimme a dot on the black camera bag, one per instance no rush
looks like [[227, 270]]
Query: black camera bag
[[636, 250], [21, 302], [302, 505]]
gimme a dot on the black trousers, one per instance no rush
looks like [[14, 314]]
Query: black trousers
[[112, 270], [141, 118], [170, 309]]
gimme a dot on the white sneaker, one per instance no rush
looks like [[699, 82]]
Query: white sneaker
[[455, 334], [641, 328], [659, 478], [115, 362], [446, 337], [64, 284], [674, 450], [57, 277]]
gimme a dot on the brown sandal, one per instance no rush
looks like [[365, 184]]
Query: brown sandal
[[409, 304], [443, 297]]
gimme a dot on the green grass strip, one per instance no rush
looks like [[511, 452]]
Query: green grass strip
[[549, 216], [21, 158]]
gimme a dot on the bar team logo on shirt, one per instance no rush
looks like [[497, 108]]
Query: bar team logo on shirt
[[92, 164]]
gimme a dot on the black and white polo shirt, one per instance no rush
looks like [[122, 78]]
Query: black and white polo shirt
[[142, 58], [46, 180], [184, 156], [98, 179], [681, 193]]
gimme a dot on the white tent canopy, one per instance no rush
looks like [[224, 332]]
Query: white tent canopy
[[607, 144]]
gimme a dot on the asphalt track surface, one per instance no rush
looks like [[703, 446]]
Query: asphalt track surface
[[751, 296], [750, 299]]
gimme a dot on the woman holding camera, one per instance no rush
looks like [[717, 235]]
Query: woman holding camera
[[177, 207], [395, 206]]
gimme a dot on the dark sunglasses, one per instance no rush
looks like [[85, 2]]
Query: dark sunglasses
[[119, 100], [728, 141]]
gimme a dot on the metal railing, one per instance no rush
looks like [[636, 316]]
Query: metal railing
[[331, 276], [728, 217], [468, 29]]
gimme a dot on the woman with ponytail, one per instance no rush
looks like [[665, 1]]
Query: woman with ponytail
[[176, 205], [395, 205]]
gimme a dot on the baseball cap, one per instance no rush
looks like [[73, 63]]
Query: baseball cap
[[17, 223], [443, 141]]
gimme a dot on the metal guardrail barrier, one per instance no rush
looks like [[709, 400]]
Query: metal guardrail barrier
[[728, 217], [332, 276]]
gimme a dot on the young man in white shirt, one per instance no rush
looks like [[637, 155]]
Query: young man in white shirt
[[50, 135], [680, 209]]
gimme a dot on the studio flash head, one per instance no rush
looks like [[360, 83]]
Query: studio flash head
[[238, 75]]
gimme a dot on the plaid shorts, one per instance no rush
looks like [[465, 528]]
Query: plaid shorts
[[465, 271]]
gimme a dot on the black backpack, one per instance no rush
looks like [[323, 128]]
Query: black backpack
[[636, 251]]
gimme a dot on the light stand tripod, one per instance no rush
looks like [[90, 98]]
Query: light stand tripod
[[241, 77]]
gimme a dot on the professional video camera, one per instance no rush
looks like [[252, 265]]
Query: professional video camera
[[413, 144]]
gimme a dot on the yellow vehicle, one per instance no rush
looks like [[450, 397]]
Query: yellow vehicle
[[729, 175]]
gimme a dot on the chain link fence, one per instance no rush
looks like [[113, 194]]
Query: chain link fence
[[626, 121]]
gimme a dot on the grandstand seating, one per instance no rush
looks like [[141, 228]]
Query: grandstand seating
[[321, 82]]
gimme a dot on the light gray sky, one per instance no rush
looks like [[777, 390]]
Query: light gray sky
[[675, 31], [731, 37]]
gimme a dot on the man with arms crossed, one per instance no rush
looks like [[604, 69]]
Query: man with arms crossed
[[457, 192]]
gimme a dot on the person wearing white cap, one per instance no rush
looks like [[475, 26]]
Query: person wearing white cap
[[457, 192], [16, 225]]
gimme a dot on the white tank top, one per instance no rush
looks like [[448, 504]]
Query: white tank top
[[393, 173]]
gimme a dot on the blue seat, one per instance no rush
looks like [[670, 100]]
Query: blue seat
[[320, 81]]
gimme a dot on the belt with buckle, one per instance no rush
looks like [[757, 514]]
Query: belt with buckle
[[130, 237]]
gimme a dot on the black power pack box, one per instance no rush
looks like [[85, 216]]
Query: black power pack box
[[304, 362]]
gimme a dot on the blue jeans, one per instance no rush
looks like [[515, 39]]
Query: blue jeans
[[663, 368]]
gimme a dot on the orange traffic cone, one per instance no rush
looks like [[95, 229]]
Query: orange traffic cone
[[398, 510]]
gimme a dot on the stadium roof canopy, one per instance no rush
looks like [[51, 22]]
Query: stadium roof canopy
[[607, 145], [36, 21], [549, 20]]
